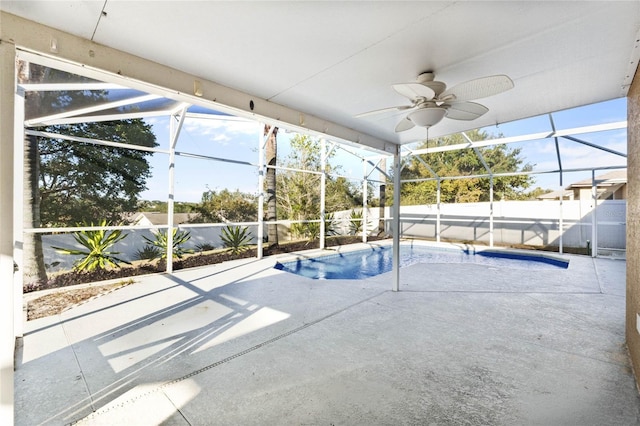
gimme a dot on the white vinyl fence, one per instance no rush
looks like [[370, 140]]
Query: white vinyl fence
[[534, 223]]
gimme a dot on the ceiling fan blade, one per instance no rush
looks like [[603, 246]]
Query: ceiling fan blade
[[414, 90], [465, 111], [404, 124], [478, 88], [383, 110]]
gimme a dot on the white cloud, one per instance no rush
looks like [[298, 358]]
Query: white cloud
[[221, 132], [222, 138], [207, 127]]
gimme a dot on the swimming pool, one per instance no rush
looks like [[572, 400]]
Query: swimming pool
[[375, 261]]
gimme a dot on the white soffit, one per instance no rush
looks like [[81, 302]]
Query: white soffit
[[337, 59]]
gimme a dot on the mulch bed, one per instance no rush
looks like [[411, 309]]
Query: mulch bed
[[72, 277], [57, 302]]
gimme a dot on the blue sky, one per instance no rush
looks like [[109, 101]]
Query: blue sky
[[238, 140]]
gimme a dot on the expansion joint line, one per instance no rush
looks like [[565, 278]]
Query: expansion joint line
[[595, 268], [227, 359], [75, 356], [267, 342]]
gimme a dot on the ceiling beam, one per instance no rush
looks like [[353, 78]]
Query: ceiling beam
[[84, 57]]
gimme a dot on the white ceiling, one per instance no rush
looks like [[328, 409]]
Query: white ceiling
[[337, 59]]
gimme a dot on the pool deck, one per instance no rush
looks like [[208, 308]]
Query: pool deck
[[242, 343]]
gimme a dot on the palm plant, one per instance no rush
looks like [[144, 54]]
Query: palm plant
[[161, 242], [236, 238], [96, 254]]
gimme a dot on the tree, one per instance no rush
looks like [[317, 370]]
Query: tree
[[33, 258], [299, 197], [66, 183], [500, 159], [80, 182], [299, 192], [227, 206], [270, 181]]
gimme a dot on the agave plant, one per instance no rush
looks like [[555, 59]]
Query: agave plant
[[313, 228], [204, 247], [356, 222], [161, 241], [236, 238], [96, 254], [148, 252]]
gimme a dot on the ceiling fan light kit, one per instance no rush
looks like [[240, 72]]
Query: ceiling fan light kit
[[427, 117], [431, 101]]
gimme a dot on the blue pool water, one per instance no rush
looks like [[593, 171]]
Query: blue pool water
[[371, 262]]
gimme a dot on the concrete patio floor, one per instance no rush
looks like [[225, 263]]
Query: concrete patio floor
[[243, 344]]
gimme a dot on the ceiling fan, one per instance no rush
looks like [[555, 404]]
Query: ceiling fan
[[431, 101]]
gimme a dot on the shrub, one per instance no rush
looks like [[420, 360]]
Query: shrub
[[97, 243]]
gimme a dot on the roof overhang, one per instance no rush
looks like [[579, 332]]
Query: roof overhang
[[315, 65]]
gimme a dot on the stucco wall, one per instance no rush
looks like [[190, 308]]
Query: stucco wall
[[633, 222]]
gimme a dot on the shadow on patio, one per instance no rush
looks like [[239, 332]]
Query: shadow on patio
[[241, 343]]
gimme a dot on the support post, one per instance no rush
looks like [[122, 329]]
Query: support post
[[561, 224], [395, 223], [559, 157], [438, 210], [174, 128], [382, 228], [491, 211], [18, 205], [323, 190], [365, 218], [594, 219], [7, 302], [490, 173], [170, 199], [261, 144]]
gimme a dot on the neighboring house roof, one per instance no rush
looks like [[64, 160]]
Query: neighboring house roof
[[606, 184], [155, 218], [616, 177], [554, 195]]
